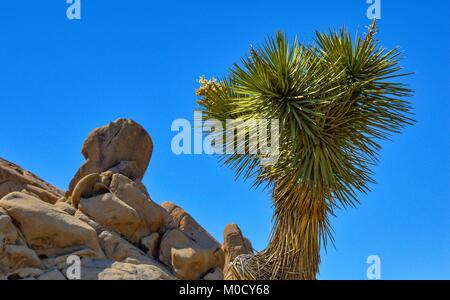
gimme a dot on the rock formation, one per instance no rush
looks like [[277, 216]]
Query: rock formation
[[106, 223], [14, 178], [234, 244]]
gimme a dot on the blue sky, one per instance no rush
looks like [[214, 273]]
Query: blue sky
[[59, 79]]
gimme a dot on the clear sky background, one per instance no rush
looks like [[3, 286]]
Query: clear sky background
[[59, 79]]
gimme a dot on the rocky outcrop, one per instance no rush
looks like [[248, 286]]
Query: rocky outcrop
[[186, 224], [234, 244], [188, 259], [122, 146], [46, 229], [14, 253], [150, 244], [94, 269], [106, 226], [119, 249], [13, 178], [190, 249]]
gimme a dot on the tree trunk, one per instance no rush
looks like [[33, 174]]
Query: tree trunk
[[294, 249]]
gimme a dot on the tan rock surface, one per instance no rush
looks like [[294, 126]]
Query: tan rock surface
[[187, 224], [150, 244], [15, 179], [118, 249], [234, 244], [188, 260], [216, 274], [109, 146], [118, 203], [154, 216], [53, 274], [14, 257], [106, 220], [112, 213], [94, 269], [48, 230]]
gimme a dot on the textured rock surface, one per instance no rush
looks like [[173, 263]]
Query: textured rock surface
[[54, 274], [14, 257], [14, 253], [106, 226], [116, 202], [13, 178], [112, 213], [150, 244], [120, 142], [216, 274], [189, 260], [186, 224], [234, 244], [120, 250], [110, 270], [48, 230]]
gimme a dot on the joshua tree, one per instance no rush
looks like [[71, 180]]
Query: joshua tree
[[335, 100]]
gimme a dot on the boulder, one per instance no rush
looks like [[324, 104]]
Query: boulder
[[53, 274], [46, 229], [9, 234], [94, 269], [123, 146], [117, 203], [15, 179], [120, 250], [65, 207], [94, 225], [61, 261], [154, 216], [192, 264], [24, 273], [88, 186], [216, 274], [125, 271], [112, 213], [150, 244], [14, 253], [173, 239], [188, 260], [234, 244], [187, 224], [127, 169], [14, 257], [107, 219]]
